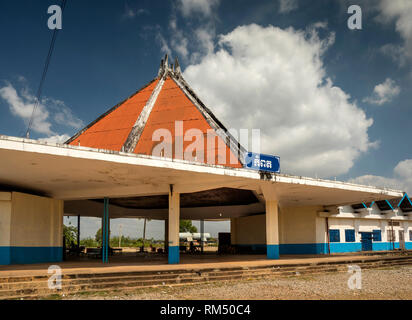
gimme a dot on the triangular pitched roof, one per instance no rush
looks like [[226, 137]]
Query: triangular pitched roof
[[129, 126]]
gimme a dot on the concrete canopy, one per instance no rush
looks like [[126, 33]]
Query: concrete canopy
[[75, 173]]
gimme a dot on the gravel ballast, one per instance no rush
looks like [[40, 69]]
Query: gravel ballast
[[390, 283]]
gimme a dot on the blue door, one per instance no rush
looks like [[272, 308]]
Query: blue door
[[366, 240]]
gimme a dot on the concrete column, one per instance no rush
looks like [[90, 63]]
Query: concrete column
[[105, 231], [108, 229], [272, 229], [78, 231], [233, 231], [174, 220], [202, 232], [166, 235]]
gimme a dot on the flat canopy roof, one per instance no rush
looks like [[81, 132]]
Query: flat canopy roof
[[79, 173]]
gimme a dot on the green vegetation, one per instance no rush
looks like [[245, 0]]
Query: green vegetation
[[70, 235], [98, 237], [187, 226], [125, 242]]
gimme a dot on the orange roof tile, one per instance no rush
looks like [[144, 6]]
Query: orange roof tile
[[111, 131], [173, 105]]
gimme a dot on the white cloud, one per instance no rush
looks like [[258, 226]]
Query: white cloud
[[401, 180], [49, 113], [55, 139], [274, 79], [205, 38], [377, 181], [400, 12], [178, 41], [286, 6], [383, 92], [22, 107], [164, 46], [203, 7]]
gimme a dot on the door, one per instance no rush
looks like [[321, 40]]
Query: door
[[401, 239], [366, 240]]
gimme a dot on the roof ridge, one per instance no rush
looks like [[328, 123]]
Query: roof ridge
[[231, 142], [164, 71], [140, 124]]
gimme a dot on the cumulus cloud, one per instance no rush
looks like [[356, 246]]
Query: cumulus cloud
[[383, 92], [274, 79], [401, 180], [399, 12], [22, 107], [286, 6], [49, 113], [203, 7]]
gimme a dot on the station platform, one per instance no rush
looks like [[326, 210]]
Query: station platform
[[154, 263]]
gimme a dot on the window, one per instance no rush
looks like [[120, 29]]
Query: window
[[410, 235], [334, 235], [377, 235], [349, 235], [391, 235]]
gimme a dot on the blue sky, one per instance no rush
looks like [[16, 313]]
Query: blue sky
[[332, 102]]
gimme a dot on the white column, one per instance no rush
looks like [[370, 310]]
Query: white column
[[272, 229], [272, 219], [174, 220]]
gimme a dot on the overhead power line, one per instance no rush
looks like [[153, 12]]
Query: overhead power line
[[43, 76]]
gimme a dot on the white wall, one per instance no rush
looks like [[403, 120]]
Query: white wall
[[368, 225], [249, 230], [298, 224], [5, 218], [30, 221]]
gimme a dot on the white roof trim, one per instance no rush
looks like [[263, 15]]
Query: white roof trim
[[29, 145]]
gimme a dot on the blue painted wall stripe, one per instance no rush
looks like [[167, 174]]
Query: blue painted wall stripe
[[4, 255], [319, 248], [28, 255]]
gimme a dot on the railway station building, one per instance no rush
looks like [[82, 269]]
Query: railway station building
[[125, 165]]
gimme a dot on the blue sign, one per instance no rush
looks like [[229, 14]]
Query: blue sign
[[262, 162]]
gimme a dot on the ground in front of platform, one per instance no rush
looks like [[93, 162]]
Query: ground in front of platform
[[389, 283]]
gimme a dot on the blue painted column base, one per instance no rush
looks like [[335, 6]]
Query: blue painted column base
[[173, 255], [272, 251]]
